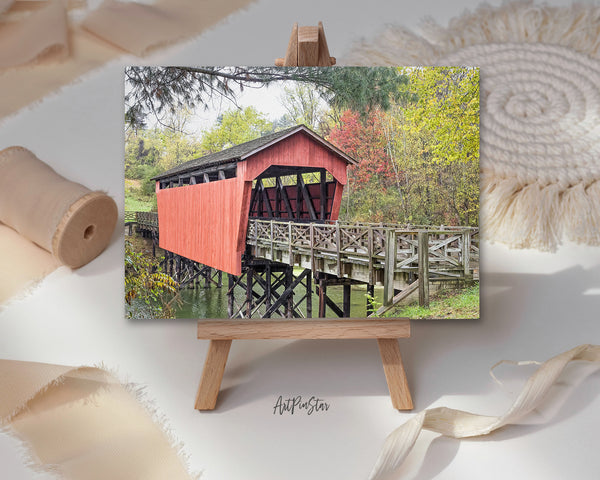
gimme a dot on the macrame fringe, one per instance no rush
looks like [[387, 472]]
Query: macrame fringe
[[539, 216], [532, 214], [576, 26]]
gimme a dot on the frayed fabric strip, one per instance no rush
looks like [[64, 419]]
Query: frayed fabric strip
[[460, 424], [45, 50], [540, 98], [42, 34], [106, 428]]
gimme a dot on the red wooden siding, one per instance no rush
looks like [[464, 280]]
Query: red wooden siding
[[298, 150], [207, 222], [204, 222]]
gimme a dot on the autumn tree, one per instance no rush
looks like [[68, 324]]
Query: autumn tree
[[371, 194], [438, 148]]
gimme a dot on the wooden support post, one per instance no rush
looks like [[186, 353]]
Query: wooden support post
[[289, 304], [423, 253], [249, 292], [291, 255], [285, 198], [253, 198], [322, 297], [208, 274], [230, 297], [268, 286], [312, 247], [271, 228], [267, 202], [219, 279], [298, 196], [338, 241], [277, 197], [309, 294], [371, 295], [312, 214], [212, 375], [347, 296], [466, 253], [260, 198], [394, 373], [287, 296], [370, 254], [323, 185], [177, 269], [389, 267]]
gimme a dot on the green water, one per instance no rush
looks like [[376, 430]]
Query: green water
[[212, 302]]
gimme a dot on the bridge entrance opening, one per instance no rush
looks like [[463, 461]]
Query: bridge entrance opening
[[300, 194]]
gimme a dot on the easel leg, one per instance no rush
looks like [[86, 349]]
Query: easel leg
[[214, 367], [394, 373]]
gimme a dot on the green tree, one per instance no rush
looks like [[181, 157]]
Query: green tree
[[439, 146], [159, 90], [234, 127], [303, 104]]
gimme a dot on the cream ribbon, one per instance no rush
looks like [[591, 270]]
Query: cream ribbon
[[84, 425], [46, 221], [460, 424], [45, 50]]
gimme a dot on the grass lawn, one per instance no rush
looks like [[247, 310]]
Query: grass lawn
[[462, 303], [134, 200], [137, 204]]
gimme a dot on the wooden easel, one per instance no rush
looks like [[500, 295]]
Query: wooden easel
[[307, 47], [222, 332]]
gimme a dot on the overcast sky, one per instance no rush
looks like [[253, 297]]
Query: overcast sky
[[264, 99]]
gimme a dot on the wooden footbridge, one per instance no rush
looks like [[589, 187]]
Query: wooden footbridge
[[282, 259], [265, 213]]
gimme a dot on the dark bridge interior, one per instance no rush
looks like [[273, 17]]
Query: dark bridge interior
[[293, 193]]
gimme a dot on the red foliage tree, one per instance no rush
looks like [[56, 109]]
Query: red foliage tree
[[364, 140]]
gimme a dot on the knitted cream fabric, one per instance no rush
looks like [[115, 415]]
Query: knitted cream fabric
[[82, 424], [540, 113], [43, 49], [460, 424]]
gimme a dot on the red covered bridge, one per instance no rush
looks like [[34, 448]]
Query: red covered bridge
[[261, 209], [204, 204]]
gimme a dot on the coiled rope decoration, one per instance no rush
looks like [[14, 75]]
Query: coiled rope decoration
[[540, 113]]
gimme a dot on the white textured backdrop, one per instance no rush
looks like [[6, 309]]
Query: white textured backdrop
[[534, 305]]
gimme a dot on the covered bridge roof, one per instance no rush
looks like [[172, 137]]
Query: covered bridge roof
[[244, 150]]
